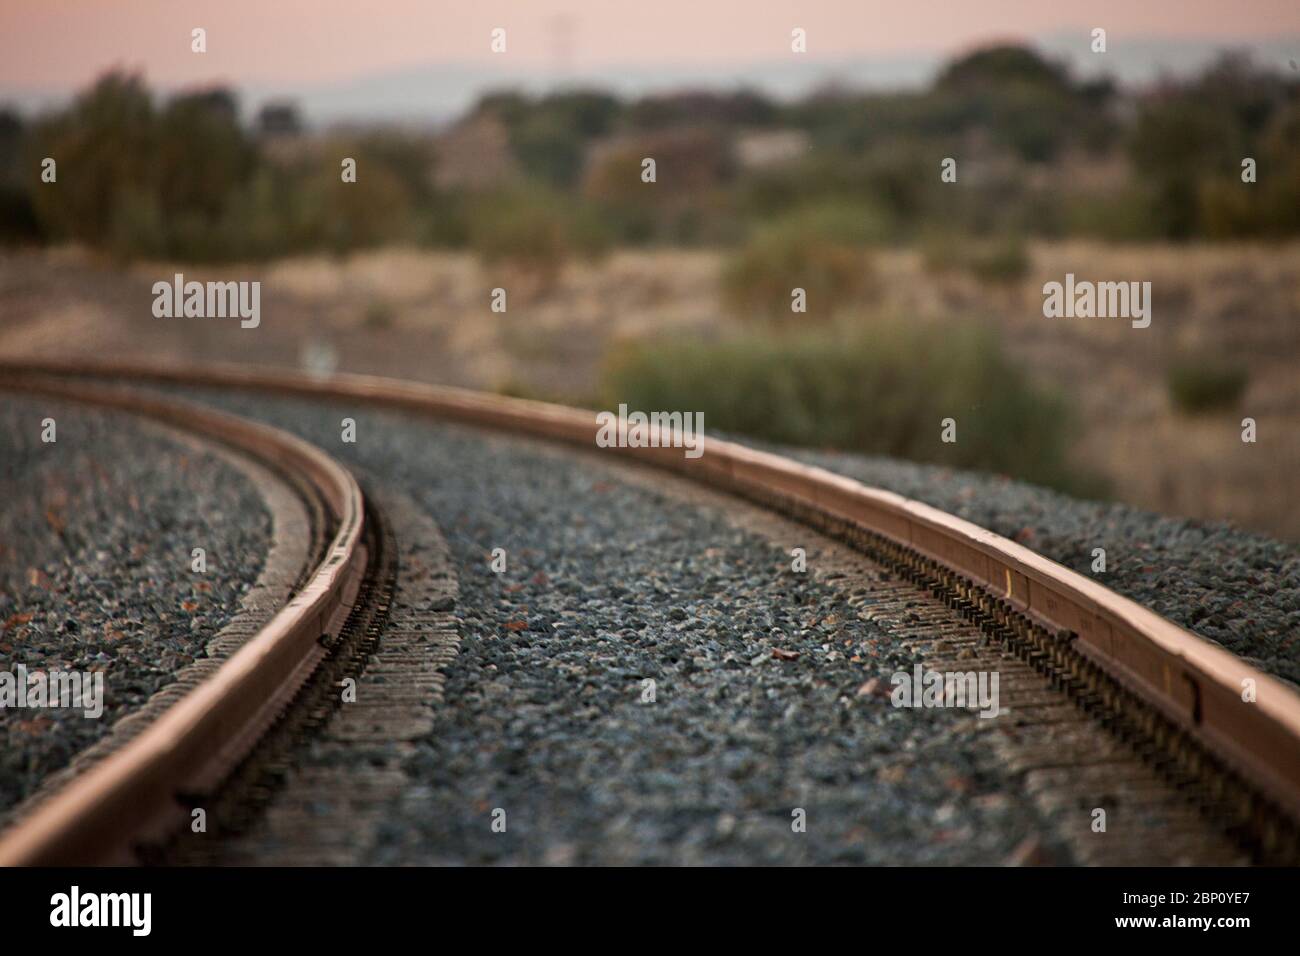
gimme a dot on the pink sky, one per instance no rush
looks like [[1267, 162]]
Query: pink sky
[[59, 45]]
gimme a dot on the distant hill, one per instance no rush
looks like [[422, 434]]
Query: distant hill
[[435, 94]]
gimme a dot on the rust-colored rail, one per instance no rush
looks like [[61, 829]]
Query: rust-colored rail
[[1198, 687], [130, 795]]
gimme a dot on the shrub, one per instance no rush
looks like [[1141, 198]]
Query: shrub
[[1176, 143], [758, 281], [343, 216], [1118, 215], [882, 185], [884, 390], [534, 231], [137, 227], [108, 136], [1002, 259], [844, 221], [17, 217], [17, 214], [1205, 384], [143, 181], [693, 165]]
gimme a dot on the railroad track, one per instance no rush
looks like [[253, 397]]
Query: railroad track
[[131, 797], [1167, 696]]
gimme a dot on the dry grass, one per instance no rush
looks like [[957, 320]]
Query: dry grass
[[426, 315]]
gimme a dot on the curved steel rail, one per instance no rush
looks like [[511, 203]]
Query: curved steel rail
[[1196, 685], [130, 795]]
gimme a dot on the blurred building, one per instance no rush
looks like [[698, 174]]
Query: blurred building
[[762, 149], [279, 118], [474, 154]]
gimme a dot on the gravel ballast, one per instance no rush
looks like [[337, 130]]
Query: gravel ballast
[[610, 584], [96, 538], [1234, 588]]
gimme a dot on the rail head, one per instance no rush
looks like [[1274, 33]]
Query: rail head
[[131, 794]]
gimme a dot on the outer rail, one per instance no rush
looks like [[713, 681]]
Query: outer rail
[[1196, 684], [131, 795]]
